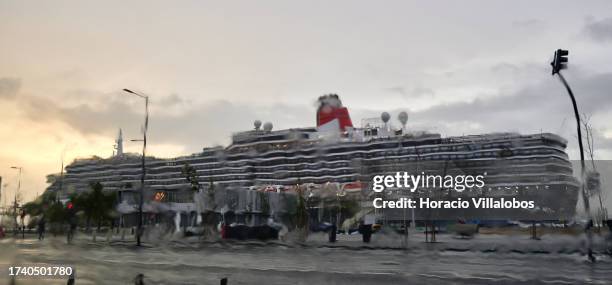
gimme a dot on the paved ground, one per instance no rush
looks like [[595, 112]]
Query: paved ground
[[483, 260]]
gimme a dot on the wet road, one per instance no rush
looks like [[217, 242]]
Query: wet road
[[256, 263]]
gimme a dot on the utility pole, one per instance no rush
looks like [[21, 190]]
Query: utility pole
[[15, 205], [142, 177], [560, 62], [61, 178]]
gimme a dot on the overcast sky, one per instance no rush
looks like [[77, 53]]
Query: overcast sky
[[457, 67]]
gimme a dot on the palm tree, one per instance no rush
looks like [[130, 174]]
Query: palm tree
[[191, 175], [102, 203], [96, 205], [33, 208], [301, 214]]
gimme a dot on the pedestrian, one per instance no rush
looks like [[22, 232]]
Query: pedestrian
[[72, 228], [41, 228], [71, 279], [139, 280]]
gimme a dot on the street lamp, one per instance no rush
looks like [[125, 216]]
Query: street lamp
[[17, 193], [144, 149]]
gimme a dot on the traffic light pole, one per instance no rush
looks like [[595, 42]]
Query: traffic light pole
[[15, 205], [142, 178], [577, 114], [585, 196], [139, 231]]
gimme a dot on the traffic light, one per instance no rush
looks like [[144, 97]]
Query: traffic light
[[69, 205], [560, 61]]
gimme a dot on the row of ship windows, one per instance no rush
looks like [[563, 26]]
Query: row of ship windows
[[495, 149], [302, 165], [393, 151], [392, 164], [397, 143], [223, 176], [490, 170], [536, 177], [226, 170], [234, 182], [168, 197]]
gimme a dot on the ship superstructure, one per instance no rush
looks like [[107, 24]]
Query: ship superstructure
[[334, 152]]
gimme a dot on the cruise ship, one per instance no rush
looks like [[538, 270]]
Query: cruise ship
[[334, 156]]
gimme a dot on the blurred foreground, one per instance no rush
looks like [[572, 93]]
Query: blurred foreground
[[486, 259]]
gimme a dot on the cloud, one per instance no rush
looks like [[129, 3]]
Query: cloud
[[541, 106], [171, 100], [422, 91], [192, 126], [600, 142], [397, 89], [505, 67], [599, 30], [416, 92], [9, 87]]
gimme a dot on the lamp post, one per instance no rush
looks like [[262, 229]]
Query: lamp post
[[17, 193], [144, 149]]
